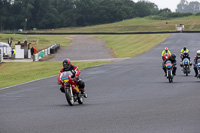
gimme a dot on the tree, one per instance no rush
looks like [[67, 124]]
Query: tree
[[144, 8], [185, 7]]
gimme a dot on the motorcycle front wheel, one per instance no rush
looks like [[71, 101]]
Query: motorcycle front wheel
[[69, 96], [170, 80], [186, 73], [170, 76]]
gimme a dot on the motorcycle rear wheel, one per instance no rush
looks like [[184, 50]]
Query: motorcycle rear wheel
[[186, 73]]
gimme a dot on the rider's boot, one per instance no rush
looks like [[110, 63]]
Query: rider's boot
[[83, 92], [174, 71], [196, 72], [165, 71]]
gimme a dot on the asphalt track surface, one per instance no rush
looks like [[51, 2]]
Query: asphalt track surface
[[84, 47], [130, 96]]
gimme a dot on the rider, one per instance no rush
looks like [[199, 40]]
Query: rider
[[166, 50], [197, 57], [184, 49], [67, 66], [172, 58], [183, 56], [184, 53]]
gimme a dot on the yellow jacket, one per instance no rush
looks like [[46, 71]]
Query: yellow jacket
[[163, 52], [182, 50]]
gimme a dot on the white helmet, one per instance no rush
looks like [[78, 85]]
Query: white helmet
[[198, 52]]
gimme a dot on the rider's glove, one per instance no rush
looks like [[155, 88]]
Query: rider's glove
[[75, 78]]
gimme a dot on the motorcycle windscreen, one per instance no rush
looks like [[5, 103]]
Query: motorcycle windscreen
[[65, 76]]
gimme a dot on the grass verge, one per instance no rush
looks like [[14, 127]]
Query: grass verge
[[146, 24], [132, 45], [44, 41], [18, 72]]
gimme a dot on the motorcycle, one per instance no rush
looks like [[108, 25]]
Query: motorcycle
[[169, 68], [198, 68], [72, 92], [186, 66], [165, 56]]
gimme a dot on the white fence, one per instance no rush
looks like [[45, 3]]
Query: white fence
[[41, 54], [1, 58]]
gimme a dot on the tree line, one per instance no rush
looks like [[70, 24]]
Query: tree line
[[188, 7], [47, 14]]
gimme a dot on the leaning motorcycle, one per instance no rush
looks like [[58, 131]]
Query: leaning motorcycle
[[186, 66], [72, 92], [169, 69]]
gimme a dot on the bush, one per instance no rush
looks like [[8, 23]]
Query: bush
[[169, 15], [197, 14]]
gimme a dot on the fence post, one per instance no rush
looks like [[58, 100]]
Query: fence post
[[36, 57], [1, 57]]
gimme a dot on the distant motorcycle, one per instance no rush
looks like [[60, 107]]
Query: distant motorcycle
[[72, 92], [166, 56], [198, 68], [186, 66], [169, 68]]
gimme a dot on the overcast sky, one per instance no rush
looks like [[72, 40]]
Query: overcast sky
[[171, 4]]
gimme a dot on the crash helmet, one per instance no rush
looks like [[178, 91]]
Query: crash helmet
[[166, 49], [198, 52], [184, 48], [66, 63], [173, 56]]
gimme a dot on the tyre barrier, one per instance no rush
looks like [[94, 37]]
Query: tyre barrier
[[51, 50], [54, 48]]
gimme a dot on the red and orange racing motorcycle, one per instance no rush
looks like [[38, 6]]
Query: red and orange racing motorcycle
[[72, 92]]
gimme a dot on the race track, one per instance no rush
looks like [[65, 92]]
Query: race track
[[130, 96]]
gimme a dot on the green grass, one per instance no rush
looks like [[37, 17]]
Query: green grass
[[136, 25], [16, 73], [122, 46], [132, 45], [45, 41]]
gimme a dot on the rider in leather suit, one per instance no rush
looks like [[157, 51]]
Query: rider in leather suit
[[172, 58], [197, 57], [67, 66]]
